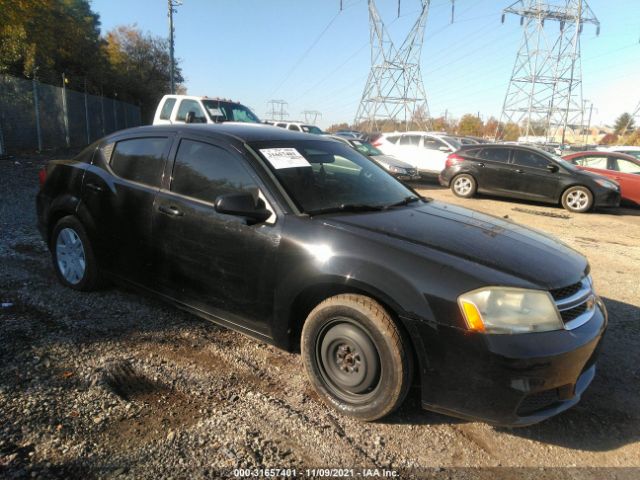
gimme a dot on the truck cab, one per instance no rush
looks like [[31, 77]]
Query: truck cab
[[176, 109]]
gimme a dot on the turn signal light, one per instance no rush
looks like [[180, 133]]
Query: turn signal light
[[472, 317]]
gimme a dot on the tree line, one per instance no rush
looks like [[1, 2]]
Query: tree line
[[47, 38]]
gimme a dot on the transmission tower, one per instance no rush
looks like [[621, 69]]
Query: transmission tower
[[277, 110], [544, 95], [394, 92], [311, 116]]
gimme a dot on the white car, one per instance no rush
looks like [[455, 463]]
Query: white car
[[628, 149], [174, 109], [297, 127], [426, 151]]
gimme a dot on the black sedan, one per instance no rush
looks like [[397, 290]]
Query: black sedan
[[304, 243], [528, 173], [399, 169]]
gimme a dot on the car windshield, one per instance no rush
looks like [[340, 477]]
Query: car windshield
[[327, 176], [219, 110], [312, 129], [366, 148]]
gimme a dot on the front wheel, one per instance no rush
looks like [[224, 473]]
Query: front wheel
[[577, 199], [356, 357], [464, 186]]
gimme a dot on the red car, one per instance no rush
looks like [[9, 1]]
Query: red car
[[624, 169]]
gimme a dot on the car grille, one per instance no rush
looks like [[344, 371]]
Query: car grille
[[560, 293], [538, 401], [576, 303]]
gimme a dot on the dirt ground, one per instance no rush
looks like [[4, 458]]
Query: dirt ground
[[116, 385]]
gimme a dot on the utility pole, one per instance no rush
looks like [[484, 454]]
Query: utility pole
[[277, 110], [394, 92], [311, 116], [172, 5], [65, 111], [545, 88]]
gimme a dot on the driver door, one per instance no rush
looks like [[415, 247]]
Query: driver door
[[214, 262]]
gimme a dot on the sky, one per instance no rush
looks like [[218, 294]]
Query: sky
[[316, 57]]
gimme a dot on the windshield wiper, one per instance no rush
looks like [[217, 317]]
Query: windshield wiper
[[348, 207], [404, 201]]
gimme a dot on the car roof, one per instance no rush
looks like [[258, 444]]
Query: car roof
[[196, 97], [246, 132], [603, 153]]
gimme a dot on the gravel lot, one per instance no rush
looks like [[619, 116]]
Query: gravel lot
[[113, 384]]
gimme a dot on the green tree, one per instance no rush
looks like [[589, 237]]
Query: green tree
[[140, 67], [624, 124], [510, 132], [470, 125]]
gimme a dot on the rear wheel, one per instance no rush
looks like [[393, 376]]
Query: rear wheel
[[577, 199], [356, 357], [73, 257], [464, 186]]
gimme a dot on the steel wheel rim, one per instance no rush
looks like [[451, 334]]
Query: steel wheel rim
[[578, 199], [348, 360], [70, 256], [462, 185]]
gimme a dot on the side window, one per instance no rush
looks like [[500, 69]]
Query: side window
[[167, 108], [431, 143], [626, 166], [494, 154], [593, 162], [140, 160], [187, 106], [281, 125], [294, 127], [412, 140], [525, 158], [392, 139], [204, 172]]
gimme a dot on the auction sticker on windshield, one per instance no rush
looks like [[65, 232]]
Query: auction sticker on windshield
[[281, 158]]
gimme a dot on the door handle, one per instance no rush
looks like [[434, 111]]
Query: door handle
[[94, 187], [170, 210], [480, 164], [519, 171]]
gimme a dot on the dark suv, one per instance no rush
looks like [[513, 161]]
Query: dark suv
[[304, 243], [528, 173]]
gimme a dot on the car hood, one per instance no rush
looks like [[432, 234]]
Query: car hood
[[480, 238], [391, 160]]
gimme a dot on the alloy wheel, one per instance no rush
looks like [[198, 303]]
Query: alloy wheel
[[70, 256]]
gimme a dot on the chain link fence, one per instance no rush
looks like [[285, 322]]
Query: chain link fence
[[35, 116]]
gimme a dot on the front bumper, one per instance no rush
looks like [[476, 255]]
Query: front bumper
[[607, 198], [509, 380]]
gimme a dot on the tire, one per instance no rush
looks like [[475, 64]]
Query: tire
[[356, 357], [73, 257], [577, 199], [464, 185]]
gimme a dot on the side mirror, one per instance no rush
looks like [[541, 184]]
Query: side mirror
[[190, 118], [243, 204], [552, 168]]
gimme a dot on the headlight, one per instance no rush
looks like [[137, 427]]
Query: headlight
[[393, 169], [607, 184], [509, 310]]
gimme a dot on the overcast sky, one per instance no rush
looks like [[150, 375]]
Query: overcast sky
[[314, 57]]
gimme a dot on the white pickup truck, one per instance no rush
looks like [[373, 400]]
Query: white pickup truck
[[174, 109]]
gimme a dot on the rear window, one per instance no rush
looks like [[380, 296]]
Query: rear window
[[167, 108], [140, 160]]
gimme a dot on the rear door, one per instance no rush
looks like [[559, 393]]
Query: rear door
[[407, 148], [119, 190], [532, 178], [494, 173], [208, 260]]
